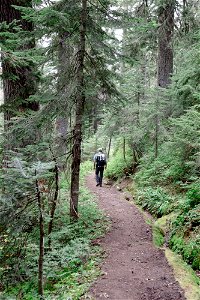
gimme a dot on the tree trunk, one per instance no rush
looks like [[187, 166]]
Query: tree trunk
[[95, 113], [156, 134], [109, 146], [41, 247], [65, 52], [124, 148], [53, 204], [186, 23], [138, 106], [165, 54], [165, 34], [80, 103], [19, 82]]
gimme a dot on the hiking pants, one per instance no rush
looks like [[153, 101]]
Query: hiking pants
[[99, 175]]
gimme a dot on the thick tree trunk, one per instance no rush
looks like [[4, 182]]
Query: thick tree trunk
[[18, 82], [165, 51], [80, 103], [65, 53]]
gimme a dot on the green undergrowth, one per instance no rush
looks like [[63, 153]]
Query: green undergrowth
[[179, 218], [73, 263], [174, 204], [169, 185], [118, 166], [158, 236]]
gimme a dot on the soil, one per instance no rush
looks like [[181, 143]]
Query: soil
[[134, 269]]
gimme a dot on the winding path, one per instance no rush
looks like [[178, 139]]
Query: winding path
[[134, 269]]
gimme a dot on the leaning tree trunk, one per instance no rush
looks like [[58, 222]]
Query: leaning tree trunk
[[80, 103], [19, 82]]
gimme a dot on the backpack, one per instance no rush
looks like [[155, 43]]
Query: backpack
[[101, 160]]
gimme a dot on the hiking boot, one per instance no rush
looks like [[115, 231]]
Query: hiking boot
[[97, 184]]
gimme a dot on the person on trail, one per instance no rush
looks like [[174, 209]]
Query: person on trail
[[99, 165]]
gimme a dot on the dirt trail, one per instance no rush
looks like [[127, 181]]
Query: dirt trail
[[133, 268]]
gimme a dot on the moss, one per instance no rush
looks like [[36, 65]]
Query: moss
[[158, 236], [187, 278]]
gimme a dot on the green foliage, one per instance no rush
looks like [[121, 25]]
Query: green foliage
[[157, 201], [177, 161], [184, 226], [189, 249], [118, 166], [72, 264], [185, 87], [158, 236], [91, 145], [188, 220], [193, 194]]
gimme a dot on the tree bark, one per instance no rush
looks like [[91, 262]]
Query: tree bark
[[156, 135], [186, 23], [124, 148], [109, 146], [65, 53], [95, 112], [165, 51], [19, 82], [41, 247], [80, 104], [53, 204]]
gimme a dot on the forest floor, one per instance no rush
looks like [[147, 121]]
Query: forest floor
[[133, 268]]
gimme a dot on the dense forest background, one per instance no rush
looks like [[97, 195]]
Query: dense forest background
[[78, 75]]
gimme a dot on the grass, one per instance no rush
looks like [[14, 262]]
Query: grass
[[158, 236]]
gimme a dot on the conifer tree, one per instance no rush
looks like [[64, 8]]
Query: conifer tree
[[165, 35], [80, 104], [19, 81]]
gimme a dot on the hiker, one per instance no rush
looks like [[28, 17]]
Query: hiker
[[99, 164]]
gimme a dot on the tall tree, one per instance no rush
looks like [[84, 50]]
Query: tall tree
[[80, 104], [19, 81], [165, 35]]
